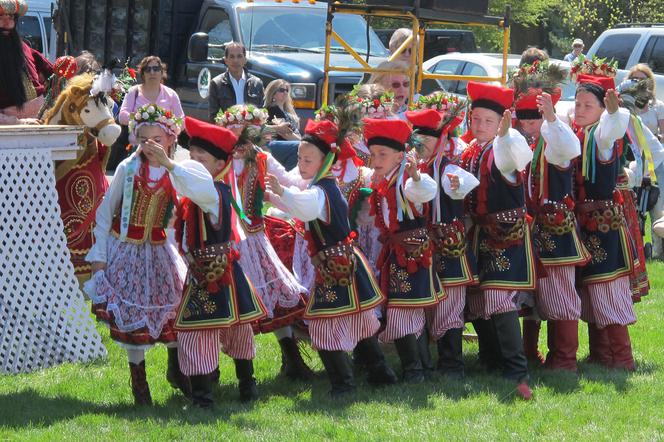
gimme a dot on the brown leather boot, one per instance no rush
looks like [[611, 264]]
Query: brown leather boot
[[600, 349], [565, 343], [139, 384], [531, 331], [621, 347]]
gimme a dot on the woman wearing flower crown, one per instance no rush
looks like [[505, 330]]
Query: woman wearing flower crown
[[279, 290], [138, 273]]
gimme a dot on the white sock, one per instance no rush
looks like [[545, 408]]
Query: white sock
[[283, 332], [136, 356]]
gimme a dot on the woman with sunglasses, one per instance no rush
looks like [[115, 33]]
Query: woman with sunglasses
[[281, 112], [396, 83]]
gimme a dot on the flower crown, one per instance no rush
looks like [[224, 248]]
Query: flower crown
[[593, 66], [153, 114], [242, 115], [539, 75], [440, 101], [373, 108], [326, 112]]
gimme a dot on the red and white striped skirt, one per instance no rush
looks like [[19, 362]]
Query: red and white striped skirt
[[448, 313], [608, 303], [344, 332], [402, 322], [487, 303], [198, 351], [556, 295]]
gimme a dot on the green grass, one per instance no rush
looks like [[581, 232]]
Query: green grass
[[93, 402]]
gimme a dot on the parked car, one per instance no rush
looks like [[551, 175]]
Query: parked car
[[36, 27], [439, 41], [485, 64], [632, 44]]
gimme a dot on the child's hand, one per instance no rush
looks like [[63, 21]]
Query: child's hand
[[454, 181], [505, 123], [272, 184], [545, 106], [611, 101], [411, 167], [157, 153]]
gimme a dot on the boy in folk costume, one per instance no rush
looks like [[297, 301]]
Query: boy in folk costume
[[606, 302], [407, 277], [551, 203], [219, 303], [278, 289], [453, 260], [138, 274], [341, 306], [500, 234]]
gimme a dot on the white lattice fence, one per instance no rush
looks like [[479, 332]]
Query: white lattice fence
[[44, 319]]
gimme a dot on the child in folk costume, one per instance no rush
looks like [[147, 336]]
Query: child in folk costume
[[606, 302], [278, 289], [219, 303], [500, 233], [453, 260], [138, 274], [341, 307], [406, 271], [550, 201]]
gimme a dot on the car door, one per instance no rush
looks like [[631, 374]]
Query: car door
[[470, 69], [448, 66]]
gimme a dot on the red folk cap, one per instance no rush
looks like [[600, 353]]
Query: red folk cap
[[390, 133], [605, 83], [216, 140], [526, 105], [322, 134], [490, 96], [426, 121]]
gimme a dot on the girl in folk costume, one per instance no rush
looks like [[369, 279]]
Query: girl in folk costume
[[606, 303], [406, 271], [341, 306], [453, 260], [500, 234], [550, 202], [219, 303], [278, 289], [138, 274]]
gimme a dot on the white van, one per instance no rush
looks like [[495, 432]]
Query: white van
[[36, 27]]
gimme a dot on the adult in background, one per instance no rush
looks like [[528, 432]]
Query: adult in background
[[236, 85], [282, 115], [577, 49], [397, 83], [23, 71], [87, 63], [396, 40], [151, 90]]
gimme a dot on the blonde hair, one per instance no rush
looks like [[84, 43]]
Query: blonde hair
[[644, 69], [370, 91], [398, 37], [270, 92], [380, 77]]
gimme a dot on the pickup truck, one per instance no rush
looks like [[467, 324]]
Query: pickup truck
[[283, 40]]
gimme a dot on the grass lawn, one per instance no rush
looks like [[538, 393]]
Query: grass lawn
[[94, 402]]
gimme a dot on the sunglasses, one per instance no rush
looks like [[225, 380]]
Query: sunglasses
[[155, 69], [397, 85], [285, 90]]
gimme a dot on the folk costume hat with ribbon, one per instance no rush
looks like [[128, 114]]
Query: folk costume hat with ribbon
[[215, 140], [490, 96], [531, 80], [323, 134], [595, 75], [13, 7]]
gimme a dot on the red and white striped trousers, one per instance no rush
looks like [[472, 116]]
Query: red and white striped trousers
[[490, 302], [344, 332], [556, 295], [608, 303], [402, 322], [198, 351], [448, 313]]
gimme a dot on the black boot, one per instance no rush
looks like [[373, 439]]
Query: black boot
[[139, 384], [339, 370], [214, 376], [510, 345], [201, 390], [409, 354], [428, 367], [378, 372], [174, 376], [292, 364], [244, 370], [488, 346], [450, 354]]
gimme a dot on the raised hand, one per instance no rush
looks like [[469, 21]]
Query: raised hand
[[272, 185], [505, 123], [454, 181], [545, 106], [612, 101]]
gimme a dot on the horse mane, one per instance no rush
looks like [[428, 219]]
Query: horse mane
[[82, 82]]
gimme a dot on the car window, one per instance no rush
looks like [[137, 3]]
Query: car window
[[28, 27], [618, 47], [448, 67], [218, 27], [470, 69], [653, 54]]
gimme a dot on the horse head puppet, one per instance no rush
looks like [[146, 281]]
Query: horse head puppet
[[86, 102]]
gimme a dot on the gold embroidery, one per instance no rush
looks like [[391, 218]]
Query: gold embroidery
[[495, 258], [543, 241], [199, 303], [594, 246], [399, 282], [325, 294]]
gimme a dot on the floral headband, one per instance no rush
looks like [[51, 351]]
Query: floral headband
[[242, 115], [373, 108], [151, 114], [439, 101], [593, 66]]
